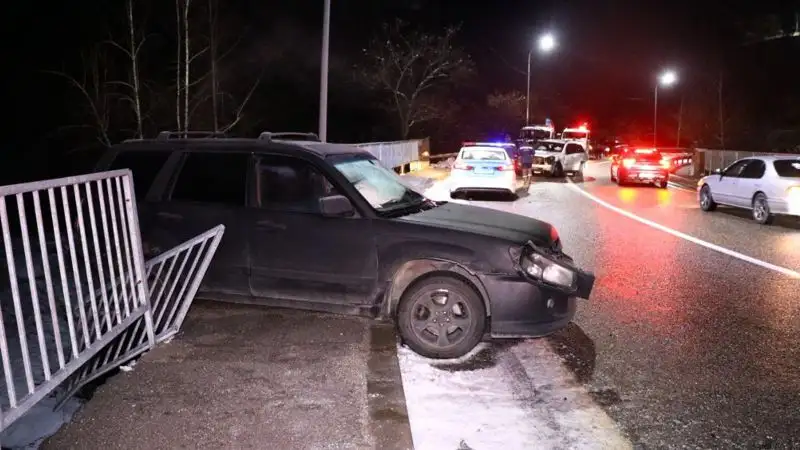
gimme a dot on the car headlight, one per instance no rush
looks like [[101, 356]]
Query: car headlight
[[548, 271], [550, 267]]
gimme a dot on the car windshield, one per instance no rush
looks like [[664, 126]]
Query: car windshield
[[788, 168], [381, 187], [574, 135], [483, 154], [534, 134], [556, 148]]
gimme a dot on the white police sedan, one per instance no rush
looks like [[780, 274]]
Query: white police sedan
[[483, 168]]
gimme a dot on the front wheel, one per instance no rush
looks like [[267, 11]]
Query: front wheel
[[441, 318], [706, 200], [558, 170], [761, 211]]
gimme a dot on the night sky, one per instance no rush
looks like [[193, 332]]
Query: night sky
[[609, 55]]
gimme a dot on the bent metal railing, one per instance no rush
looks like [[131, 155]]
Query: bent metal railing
[[173, 278], [80, 284]]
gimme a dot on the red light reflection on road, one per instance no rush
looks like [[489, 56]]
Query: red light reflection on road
[[633, 261]]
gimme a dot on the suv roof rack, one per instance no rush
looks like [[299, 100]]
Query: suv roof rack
[[268, 136], [166, 135]]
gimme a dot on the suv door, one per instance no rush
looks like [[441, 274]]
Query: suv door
[[573, 157], [297, 254], [207, 189]]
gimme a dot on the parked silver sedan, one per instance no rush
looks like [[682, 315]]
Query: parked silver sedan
[[766, 185]]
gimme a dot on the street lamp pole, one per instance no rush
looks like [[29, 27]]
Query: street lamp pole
[[323, 82], [655, 115], [546, 44], [528, 95]]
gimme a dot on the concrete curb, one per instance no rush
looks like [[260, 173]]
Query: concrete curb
[[684, 182]]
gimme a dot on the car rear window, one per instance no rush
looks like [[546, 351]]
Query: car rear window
[[788, 168], [484, 154], [651, 156], [145, 165]]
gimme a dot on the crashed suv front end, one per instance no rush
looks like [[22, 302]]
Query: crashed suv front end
[[540, 297]]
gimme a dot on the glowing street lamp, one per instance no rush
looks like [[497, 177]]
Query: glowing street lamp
[[666, 79], [546, 44]]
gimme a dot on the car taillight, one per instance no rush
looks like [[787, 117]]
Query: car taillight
[[505, 167], [666, 163], [462, 166], [628, 162]]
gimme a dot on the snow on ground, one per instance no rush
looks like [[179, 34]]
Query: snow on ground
[[502, 396]]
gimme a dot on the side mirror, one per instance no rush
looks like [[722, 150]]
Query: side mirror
[[336, 206]]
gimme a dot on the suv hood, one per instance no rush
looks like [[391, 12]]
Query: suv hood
[[487, 222]]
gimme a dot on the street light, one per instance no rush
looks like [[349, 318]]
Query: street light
[[666, 79], [323, 81], [546, 44]]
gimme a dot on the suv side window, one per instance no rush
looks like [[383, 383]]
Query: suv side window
[[290, 184], [219, 178], [145, 165], [754, 170], [573, 149]]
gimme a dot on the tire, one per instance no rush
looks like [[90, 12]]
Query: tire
[[620, 178], [761, 211], [662, 184], [579, 173], [464, 328], [558, 170], [706, 199], [611, 175]]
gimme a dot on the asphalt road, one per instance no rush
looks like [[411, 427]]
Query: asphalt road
[[690, 339]]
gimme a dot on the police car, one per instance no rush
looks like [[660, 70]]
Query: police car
[[485, 167]]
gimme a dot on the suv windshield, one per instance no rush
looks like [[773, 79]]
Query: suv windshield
[[381, 187], [550, 147], [788, 168]]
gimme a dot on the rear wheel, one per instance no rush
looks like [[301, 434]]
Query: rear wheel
[[662, 184], [620, 177], [613, 178], [441, 317], [761, 211]]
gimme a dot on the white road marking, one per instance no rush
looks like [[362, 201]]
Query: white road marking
[[520, 397], [782, 270]]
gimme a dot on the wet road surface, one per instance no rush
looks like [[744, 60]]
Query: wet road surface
[[681, 345]]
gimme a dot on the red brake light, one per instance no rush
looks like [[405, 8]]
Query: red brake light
[[628, 162], [462, 166], [505, 167]]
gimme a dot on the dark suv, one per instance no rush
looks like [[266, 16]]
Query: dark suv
[[326, 227]]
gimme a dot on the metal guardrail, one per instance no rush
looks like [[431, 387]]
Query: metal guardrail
[[80, 284], [173, 279], [720, 159], [394, 154]]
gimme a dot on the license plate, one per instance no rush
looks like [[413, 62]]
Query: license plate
[[646, 175], [485, 170]]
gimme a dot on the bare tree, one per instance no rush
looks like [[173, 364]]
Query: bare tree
[[131, 51], [413, 68], [213, 10], [95, 88]]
